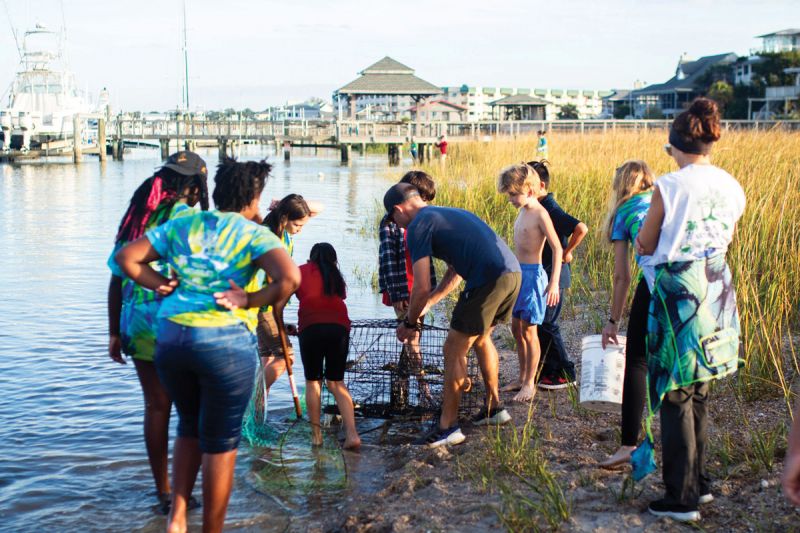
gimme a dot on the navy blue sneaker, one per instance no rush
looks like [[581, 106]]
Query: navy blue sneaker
[[436, 437]]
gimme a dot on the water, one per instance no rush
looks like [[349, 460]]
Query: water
[[73, 456]]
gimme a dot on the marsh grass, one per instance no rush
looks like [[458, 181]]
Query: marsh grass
[[763, 256]]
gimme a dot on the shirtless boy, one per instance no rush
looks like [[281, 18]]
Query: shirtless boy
[[532, 227]]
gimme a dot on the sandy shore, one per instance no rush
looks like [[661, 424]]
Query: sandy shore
[[443, 489]]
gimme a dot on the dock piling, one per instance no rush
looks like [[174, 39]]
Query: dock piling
[[346, 151], [77, 148], [164, 148], [101, 139], [287, 151]]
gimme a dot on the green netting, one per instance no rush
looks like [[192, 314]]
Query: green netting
[[286, 462]]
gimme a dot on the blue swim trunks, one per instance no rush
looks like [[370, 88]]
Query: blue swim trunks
[[531, 303]]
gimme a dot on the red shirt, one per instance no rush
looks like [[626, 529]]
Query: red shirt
[[316, 307], [442, 147]]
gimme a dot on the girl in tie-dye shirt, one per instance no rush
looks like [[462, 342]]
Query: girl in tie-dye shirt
[[206, 352], [132, 309]]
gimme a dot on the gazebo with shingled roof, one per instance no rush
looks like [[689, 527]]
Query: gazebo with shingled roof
[[387, 78]]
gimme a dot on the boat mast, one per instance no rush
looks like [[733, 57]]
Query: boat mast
[[185, 62]]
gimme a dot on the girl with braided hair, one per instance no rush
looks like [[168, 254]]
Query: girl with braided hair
[[206, 352], [171, 192]]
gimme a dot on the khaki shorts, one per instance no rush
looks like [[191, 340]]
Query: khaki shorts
[[483, 307], [269, 339]]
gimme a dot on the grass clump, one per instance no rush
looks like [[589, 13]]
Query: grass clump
[[513, 464]]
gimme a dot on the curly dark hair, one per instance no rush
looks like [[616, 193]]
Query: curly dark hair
[[237, 184]]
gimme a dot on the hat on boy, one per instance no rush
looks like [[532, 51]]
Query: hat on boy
[[396, 195]]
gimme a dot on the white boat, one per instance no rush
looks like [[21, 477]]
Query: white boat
[[44, 98]]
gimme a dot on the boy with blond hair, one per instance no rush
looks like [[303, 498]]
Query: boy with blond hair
[[532, 228]]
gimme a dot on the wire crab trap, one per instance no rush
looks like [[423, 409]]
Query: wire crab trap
[[389, 379]]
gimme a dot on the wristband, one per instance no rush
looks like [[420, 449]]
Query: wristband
[[611, 320], [409, 325]]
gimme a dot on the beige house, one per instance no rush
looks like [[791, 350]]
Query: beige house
[[438, 110]]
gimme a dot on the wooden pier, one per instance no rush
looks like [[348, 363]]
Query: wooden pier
[[187, 132]]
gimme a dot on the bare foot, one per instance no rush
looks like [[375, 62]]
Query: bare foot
[[525, 394], [352, 443], [316, 436], [621, 457], [511, 387]]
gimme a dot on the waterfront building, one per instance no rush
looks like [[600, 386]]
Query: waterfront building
[[777, 100], [673, 96], [780, 41], [385, 90], [519, 107], [478, 100], [437, 110]]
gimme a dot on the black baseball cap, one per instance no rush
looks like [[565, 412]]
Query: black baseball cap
[[396, 195], [187, 163]]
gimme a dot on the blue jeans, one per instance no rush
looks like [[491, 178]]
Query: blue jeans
[[209, 374], [554, 353]]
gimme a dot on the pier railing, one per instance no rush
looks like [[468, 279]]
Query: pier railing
[[355, 132]]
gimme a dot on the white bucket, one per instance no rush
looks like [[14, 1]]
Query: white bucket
[[602, 374]]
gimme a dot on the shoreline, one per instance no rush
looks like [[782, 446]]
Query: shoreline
[[461, 488]]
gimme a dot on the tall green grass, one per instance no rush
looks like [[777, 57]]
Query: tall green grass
[[764, 256]]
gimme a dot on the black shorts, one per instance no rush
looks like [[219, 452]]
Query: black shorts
[[324, 342], [481, 308]]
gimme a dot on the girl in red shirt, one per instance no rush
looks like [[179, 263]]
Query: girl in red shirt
[[324, 331]]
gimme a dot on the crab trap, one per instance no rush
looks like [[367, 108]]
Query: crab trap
[[388, 379]]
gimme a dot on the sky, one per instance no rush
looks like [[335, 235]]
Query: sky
[[260, 53]]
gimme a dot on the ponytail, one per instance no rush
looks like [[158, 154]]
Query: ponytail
[[324, 256]]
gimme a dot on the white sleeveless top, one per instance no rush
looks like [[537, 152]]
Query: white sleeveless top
[[702, 204]]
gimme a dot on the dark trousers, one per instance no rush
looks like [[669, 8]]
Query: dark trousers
[[635, 384], [554, 354], [683, 443]]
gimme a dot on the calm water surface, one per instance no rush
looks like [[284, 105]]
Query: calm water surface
[[73, 457]]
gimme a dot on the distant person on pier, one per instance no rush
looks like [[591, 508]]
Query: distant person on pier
[[475, 253], [170, 193], [541, 146], [532, 229], [442, 146], [558, 371], [285, 219], [414, 151], [206, 354]]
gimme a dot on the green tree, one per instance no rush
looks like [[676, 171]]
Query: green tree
[[568, 112], [721, 92], [653, 112], [769, 71], [622, 110]]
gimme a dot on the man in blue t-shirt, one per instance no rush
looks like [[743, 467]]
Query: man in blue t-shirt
[[475, 253]]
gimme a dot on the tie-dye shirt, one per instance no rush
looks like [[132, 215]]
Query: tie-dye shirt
[[138, 322], [205, 251], [627, 222]]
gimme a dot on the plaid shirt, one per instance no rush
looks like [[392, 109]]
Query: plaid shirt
[[392, 277]]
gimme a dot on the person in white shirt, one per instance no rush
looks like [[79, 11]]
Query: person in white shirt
[[693, 323]]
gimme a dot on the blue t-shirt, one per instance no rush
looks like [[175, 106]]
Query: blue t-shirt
[[628, 221], [205, 251], [463, 241]]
